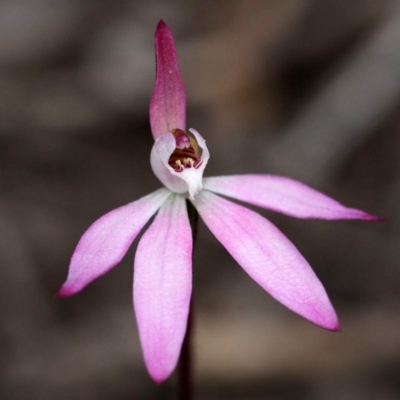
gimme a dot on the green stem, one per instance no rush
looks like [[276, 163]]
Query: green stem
[[185, 359], [185, 363], [193, 219]]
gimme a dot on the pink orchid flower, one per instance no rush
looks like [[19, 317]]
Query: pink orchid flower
[[163, 262]]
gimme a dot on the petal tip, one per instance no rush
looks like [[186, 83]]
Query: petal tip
[[158, 380], [158, 374], [374, 218], [161, 25], [358, 214], [64, 292], [330, 325], [334, 327]]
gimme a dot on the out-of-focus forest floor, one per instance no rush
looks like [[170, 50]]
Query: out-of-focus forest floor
[[308, 89]]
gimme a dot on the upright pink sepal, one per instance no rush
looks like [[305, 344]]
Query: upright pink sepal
[[107, 240], [162, 287], [168, 102], [283, 195], [268, 257]]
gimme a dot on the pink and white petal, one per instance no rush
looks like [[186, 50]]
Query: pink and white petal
[[268, 257], [187, 181], [283, 195], [107, 240], [205, 156], [194, 176], [168, 102], [162, 287], [161, 151]]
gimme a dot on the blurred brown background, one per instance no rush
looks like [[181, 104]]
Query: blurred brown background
[[306, 88]]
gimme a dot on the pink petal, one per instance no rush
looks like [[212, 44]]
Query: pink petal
[[283, 195], [268, 257], [168, 102], [107, 240], [162, 287]]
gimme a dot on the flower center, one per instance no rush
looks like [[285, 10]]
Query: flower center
[[187, 153]]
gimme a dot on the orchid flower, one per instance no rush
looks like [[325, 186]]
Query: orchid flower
[[163, 261]]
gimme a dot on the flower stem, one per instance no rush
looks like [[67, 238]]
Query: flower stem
[[185, 359], [185, 364], [193, 219]]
